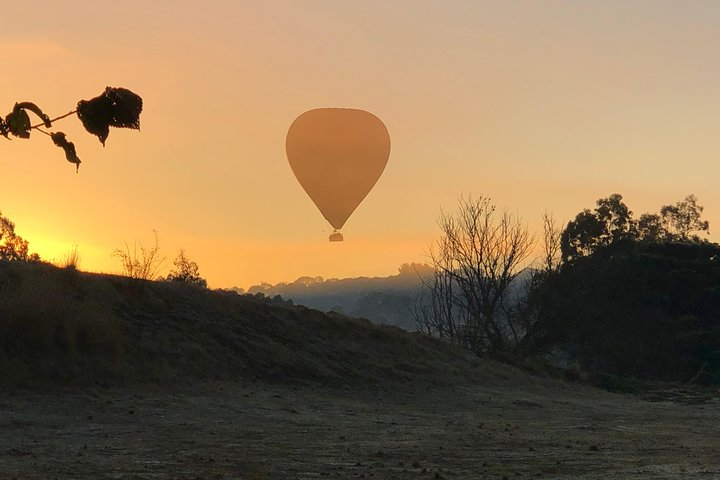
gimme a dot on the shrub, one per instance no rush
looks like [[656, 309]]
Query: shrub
[[186, 271], [140, 263]]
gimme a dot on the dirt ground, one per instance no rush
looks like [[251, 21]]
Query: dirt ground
[[541, 429]]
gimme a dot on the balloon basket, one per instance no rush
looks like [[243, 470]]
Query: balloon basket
[[335, 237]]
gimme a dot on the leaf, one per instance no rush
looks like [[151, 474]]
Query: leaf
[[116, 107], [96, 115], [18, 122], [127, 107], [36, 110], [59, 139]]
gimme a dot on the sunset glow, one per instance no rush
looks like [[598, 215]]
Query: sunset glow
[[543, 106]]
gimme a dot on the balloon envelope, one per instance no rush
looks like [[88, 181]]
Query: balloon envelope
[[337, 155]]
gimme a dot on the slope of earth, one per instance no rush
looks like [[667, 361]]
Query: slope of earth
[[74, 328]]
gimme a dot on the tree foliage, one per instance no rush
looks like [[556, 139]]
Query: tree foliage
[[186, 271], [115, 107], [633, 297], [612, 222], [650, 228], [12, 246], [681, 220], [416, 269]]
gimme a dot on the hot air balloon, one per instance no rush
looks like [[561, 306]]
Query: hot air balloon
[[337, 155]]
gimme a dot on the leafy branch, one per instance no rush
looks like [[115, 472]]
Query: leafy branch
[[115, 107]]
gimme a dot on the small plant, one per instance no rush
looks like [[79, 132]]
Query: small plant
[[186, 271], [71, 260], [140, 263]]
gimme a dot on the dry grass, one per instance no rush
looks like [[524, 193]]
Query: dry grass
[[140, 263], [50, 327], [74, 327], [71, 260]]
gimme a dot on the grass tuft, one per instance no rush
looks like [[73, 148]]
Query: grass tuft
[[71, 260]]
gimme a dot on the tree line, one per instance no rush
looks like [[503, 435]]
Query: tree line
[[618, 294]]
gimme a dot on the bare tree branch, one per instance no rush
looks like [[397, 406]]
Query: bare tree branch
[[476, 259]]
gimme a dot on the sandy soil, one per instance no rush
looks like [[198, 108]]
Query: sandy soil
[[544, 429]]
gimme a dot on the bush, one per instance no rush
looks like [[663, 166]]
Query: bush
[[186, 271], [140, 264]]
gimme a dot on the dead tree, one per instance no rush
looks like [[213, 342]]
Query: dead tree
[[479, 255]]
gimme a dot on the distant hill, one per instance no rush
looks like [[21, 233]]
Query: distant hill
[[70, 327], [382, 300]]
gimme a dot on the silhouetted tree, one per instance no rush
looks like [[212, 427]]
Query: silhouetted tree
[[581, 237], [611, 221], [476, 259], [12, 246], [650, 228], [683, 218], [616, 218], [533, 305], [115, 107], [552, 236], [419, 269], [638, 298], [187, 271]]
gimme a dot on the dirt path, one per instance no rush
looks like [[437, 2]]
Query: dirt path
[[260, 431]]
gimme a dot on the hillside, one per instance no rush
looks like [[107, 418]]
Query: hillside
[[180, 382], [80, 328]]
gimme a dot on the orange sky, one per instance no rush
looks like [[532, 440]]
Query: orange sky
[[542, 105]]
